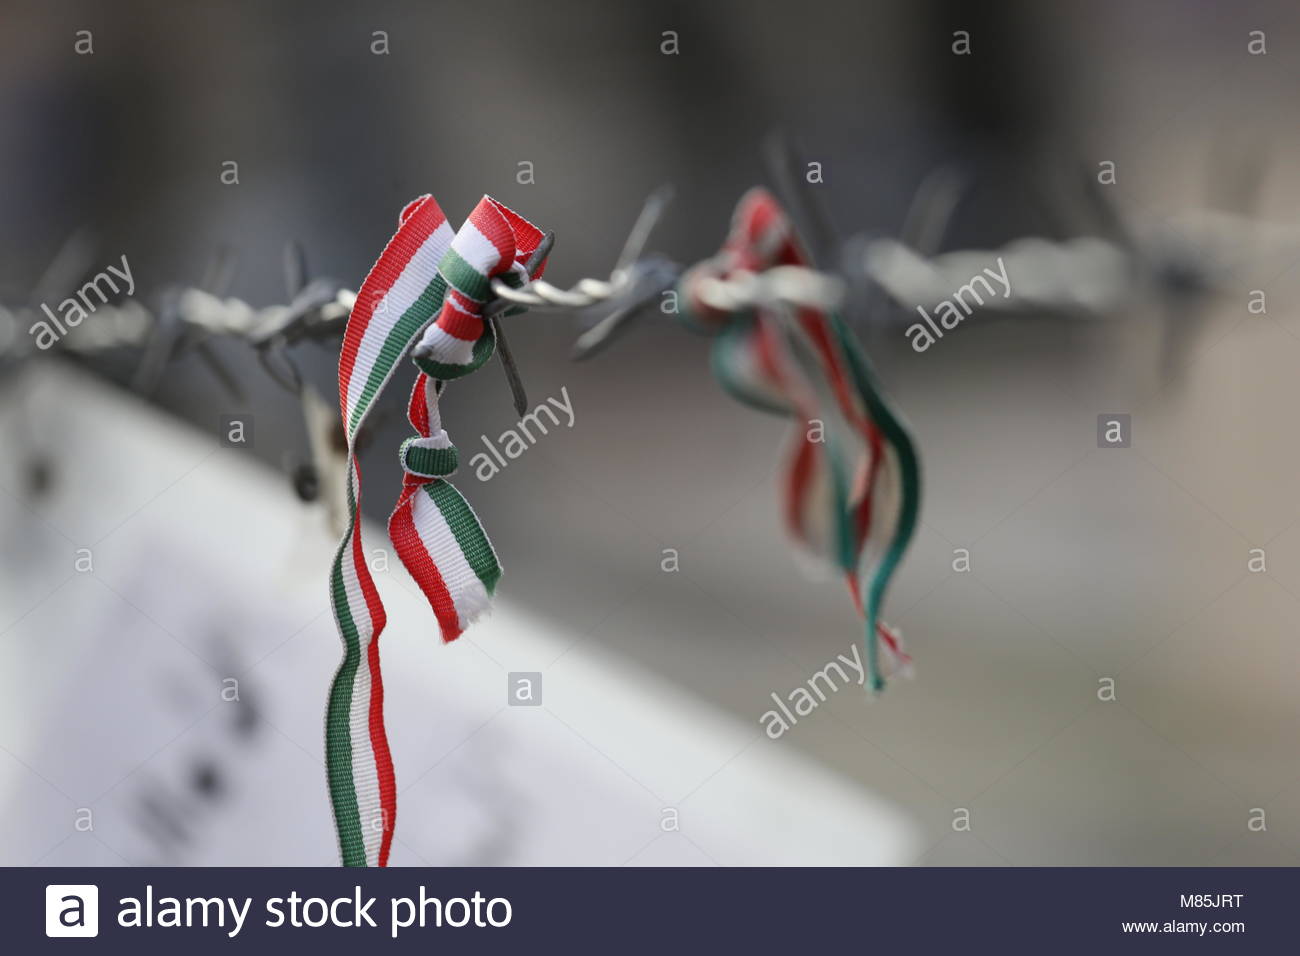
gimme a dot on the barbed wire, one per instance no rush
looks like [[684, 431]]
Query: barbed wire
[[1084, 276]]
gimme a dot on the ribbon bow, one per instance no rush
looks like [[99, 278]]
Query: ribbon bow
[[428, 282], [852, 484]]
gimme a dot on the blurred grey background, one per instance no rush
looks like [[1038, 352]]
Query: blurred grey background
[[1088, 565]]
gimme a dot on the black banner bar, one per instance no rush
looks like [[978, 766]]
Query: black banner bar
[[652, 910]]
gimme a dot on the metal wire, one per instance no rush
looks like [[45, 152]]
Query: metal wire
[[1083, 276]]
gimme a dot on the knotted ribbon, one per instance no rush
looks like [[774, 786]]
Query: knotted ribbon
[[852, 483], [433, 283]]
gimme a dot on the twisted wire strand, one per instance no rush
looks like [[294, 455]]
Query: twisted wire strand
[[792, 285], [1086, 275]]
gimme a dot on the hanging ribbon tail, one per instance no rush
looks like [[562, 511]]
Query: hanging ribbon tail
[[434, 530], [405, 294], [896, 487], [852, 480], [397, 299], [436, 534]]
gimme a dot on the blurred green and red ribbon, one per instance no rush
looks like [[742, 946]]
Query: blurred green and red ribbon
[[852, 483]]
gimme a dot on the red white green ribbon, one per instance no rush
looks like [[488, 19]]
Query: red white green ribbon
[[428, 281], [852, 485]]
